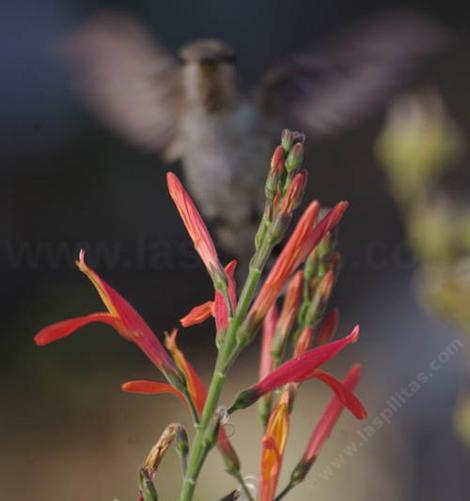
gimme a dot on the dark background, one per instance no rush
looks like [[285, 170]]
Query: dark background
[[68, 182]]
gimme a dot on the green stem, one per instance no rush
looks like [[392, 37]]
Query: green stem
[[225, 359], [284, 492], [244, 487], [192, 407]]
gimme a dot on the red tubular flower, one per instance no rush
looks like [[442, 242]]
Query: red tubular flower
[[296, 370], [218, 307], [198, 314], [304, 238], [269, 328], [195, 227], [146, 387], [273, 447], [329, 417], [343, 394], [121, 316]]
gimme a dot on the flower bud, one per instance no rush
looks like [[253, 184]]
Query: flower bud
[[300, 472], [303, 341], [327, 329], [295, 157], [274, 174], [287, 139], [295, 193], [182, 444], [279, 227], [244, 399], [320, 299], [288, 315], [326, 286]]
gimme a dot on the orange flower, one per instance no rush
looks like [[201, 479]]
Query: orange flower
[[198, 314], [303, 240], [195, 227], [145, 387], [273, 447], [218, 307], [196, 387], [121, 316]]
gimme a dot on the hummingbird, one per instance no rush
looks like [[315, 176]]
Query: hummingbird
[[193, 109]]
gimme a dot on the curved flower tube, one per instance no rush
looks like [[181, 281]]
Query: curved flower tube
[[195, 227], [121, 316], [303, 368]]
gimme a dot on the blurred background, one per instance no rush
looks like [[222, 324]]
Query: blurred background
[[67, 431]]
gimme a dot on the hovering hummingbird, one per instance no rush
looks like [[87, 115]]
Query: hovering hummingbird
[[195, 110]]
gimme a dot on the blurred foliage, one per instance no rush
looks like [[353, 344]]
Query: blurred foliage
[[462, 419], [419, 144]]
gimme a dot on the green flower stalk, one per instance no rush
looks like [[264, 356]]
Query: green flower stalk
[[238, 318]]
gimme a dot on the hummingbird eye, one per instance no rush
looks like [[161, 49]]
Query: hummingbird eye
[[230, 58], [209, 61]]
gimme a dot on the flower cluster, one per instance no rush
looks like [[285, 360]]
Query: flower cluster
[[297, 336]]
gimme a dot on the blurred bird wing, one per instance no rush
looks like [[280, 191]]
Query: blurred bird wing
[[325, 90], [128, 80]]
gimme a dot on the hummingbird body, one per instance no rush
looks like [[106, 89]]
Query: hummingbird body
[[225, 159], [225, 144], [195, 112]]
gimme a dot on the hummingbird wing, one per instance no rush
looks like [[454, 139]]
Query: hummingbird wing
[[130, 82], [325, 90]]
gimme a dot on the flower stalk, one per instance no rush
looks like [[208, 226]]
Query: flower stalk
[[307, 267]]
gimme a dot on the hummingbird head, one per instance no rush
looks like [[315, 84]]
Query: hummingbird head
[[209, 75]]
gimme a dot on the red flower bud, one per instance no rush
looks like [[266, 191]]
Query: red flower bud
[[295, 193]]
